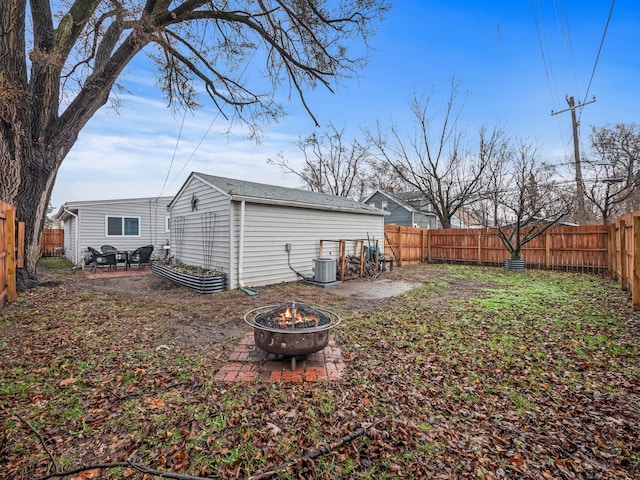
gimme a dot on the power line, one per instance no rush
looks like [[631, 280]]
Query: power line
[[210, 125], [563, 22], [175, 149], [204, 33], [548, 68], [546, 60], [196, 148], [604, 33]]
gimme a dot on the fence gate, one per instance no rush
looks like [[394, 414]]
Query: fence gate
[[52, 244]]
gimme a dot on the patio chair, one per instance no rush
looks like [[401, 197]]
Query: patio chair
[[140, 256], [121, 257], [101, 259]]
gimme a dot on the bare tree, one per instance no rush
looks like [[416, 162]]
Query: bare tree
[[59, 65], [433, 159], [332, 164], [529, 199], [381, 177], [485, 210], [613, 168]]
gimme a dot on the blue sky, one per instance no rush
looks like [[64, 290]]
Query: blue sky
[[515, 62]]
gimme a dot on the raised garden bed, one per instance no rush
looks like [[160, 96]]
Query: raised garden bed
[[211, 283]]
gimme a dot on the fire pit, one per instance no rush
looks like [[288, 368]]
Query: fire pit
[[291, 329]]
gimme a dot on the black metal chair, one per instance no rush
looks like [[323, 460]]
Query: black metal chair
[[101, 259], [121, 257], [140, 256]]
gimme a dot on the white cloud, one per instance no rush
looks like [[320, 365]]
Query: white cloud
[[131, 154]]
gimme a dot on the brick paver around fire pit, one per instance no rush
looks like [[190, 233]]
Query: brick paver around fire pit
[[248, 363]]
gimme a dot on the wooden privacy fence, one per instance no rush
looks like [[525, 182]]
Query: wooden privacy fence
[[11, 252], [52, 244], [583, 248], [591, 248], [625, 256]]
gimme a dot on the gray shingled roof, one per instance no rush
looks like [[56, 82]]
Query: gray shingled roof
[[294, 196]]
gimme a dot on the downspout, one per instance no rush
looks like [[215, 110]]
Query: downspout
[[77, 257], [241, 245], [247, 290]]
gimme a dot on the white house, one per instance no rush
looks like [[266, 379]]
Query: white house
[[125, 224], [261, 234]]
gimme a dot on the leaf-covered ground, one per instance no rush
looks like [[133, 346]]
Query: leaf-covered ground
[[477, 373]]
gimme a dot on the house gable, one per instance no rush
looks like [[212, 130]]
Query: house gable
[[402, 212]]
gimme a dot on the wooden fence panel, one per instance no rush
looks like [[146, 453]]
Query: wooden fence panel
[[568, 248], [624, 250], [11, 252], [4, 284], [52, 242], [588, 248], [10, 235]]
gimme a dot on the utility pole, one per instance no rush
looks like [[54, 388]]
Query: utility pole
[[581, 214]]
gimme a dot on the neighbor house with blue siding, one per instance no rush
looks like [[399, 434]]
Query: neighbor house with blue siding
[[406, 209]]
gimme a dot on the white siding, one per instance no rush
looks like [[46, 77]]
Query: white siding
[[191, 241], [269, 228], [70, 246], [92, 215]]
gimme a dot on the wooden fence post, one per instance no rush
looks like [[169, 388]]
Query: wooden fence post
[[547, 250], [611, 249], [480, 247], [399, 246], [635, 279], [10, 228], [429, 256], [623, 255], [20, 246]]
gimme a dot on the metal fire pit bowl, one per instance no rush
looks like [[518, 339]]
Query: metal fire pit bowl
[[274, 334]]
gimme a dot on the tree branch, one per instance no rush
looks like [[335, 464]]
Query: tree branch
[[317, 453], [44, 445], [135, 466]]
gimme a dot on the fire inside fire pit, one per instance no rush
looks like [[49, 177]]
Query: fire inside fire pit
[[291, 316], [291, 329]]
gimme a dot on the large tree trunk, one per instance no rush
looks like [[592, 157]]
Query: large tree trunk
[[29, 174], [34, 136]]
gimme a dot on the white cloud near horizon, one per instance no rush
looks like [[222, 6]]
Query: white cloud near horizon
[[133, 153]]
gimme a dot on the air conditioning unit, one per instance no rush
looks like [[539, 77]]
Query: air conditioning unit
[[324, 270]]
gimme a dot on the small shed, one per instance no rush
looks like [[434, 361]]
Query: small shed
[[126, 224], [259, 234]]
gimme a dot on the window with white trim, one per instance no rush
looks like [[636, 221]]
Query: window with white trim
[[384, 204], [123, 226]]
